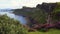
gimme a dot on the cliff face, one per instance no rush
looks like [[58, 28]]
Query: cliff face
[[45, 15], [47, 7], [38, 13]]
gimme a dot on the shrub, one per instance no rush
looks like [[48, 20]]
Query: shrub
[[10, 26]]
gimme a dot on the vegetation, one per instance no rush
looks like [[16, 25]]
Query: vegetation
[[43, 20], [10, 26], [43, 17], [51, 31], [56, 12], [36, 14]]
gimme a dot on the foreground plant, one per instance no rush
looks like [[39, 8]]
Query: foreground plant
[[10, 26]]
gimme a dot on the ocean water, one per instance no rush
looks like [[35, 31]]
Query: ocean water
[[11, 15]]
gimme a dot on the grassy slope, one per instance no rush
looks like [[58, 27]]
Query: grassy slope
[[52, 31]]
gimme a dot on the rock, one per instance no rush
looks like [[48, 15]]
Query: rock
[[47, 7]]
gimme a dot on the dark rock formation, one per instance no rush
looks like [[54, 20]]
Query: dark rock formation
[[47, 7]]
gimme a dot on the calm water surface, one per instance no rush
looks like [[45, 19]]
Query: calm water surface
[[11, 15]]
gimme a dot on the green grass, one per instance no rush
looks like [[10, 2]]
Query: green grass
[[51, 31]]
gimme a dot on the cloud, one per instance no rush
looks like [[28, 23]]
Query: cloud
[[19, 3], [8, 4], [33, 3]]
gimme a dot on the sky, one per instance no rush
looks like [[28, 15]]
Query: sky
[[13, 4]]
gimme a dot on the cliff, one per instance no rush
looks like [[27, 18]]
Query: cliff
[[40, 13], [45, 15], [47, 7]]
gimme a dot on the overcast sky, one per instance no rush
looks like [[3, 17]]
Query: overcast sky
[[19, 3]]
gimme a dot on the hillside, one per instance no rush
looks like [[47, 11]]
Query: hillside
[[47, 14]]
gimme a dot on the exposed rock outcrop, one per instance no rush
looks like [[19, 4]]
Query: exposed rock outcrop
[[47, 7]]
